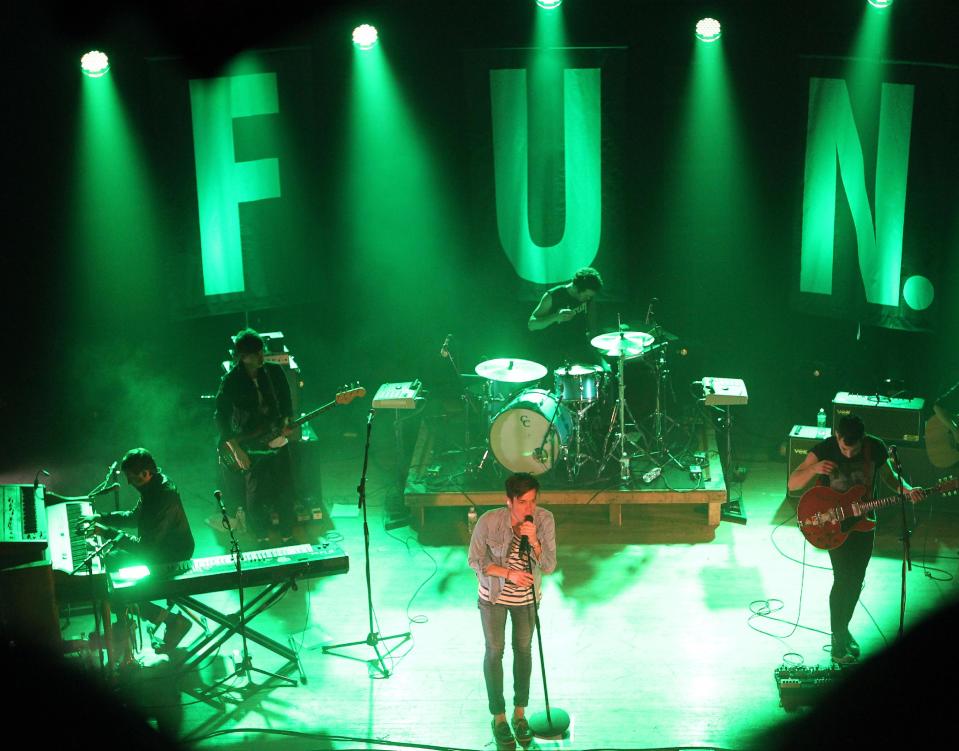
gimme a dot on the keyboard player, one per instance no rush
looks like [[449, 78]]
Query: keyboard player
[[163, 536]]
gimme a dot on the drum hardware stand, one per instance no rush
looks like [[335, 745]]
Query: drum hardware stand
[[540, 453], [579, 457], [372, 638], [659, 415], [620, 408], [469, 410]]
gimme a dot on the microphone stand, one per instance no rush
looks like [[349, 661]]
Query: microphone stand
[[554, 722], [105, 547], [372, 638], [245, 668], [906, 540]]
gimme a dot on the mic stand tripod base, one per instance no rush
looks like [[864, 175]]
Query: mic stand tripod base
[[372, 639], [551, 725]]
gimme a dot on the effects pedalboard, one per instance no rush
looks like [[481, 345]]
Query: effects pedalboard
[[802, 685]]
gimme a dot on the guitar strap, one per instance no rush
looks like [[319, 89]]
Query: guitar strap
[[868, 468]]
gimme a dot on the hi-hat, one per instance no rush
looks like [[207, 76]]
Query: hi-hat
[[511, 370], [626, 343]]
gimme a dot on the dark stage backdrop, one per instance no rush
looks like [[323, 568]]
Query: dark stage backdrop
[[367, 288]]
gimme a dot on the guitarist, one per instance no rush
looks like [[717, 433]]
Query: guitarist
[[254, 399], [849, 457]]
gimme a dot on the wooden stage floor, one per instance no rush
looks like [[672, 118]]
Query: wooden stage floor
[[653, 633]]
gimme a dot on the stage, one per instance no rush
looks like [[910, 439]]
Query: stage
[[441, 476], [652, 633]]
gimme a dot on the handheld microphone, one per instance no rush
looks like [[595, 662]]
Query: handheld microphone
[[524, 540], [445, 349], [892, 451], [219, 499]]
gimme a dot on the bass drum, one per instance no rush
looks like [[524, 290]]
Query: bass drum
[[517, 432]]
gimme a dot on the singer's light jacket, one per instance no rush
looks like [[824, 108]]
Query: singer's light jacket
[[490, 543]]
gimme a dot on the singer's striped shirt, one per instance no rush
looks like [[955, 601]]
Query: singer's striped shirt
[[512, 595]]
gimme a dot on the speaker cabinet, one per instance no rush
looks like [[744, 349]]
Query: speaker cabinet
[[890, 418], [801, 439]]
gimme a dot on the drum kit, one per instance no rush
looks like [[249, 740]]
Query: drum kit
[[535, 429]]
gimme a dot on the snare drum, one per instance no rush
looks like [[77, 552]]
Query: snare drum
[[578, 383], [517, 432]]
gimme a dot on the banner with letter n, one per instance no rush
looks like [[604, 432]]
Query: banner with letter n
[[880, 191]]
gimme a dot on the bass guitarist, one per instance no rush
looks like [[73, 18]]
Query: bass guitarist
[[849, 457], [253, 404]]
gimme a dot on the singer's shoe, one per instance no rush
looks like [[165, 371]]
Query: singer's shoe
[[522, 731], [176, 629], [852, 646], [503, 736]]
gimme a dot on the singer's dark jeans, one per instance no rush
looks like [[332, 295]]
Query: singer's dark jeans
[[849, 563], [493, 618]]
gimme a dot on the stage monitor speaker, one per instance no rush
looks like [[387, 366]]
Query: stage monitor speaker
[[893, 419], [801, 439]]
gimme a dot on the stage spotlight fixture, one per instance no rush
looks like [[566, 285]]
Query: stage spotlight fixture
[[708, 30], [880, 3], [365, 36], [94, 64], [549, 4]]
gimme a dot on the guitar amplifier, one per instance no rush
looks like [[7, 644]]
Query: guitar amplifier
[[893, 419], [801, 439]]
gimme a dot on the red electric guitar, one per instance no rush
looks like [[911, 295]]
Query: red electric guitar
[[826, 516]]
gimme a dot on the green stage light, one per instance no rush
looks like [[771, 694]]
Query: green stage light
[[94, 64], [365, 36], [708, 30], [133, 573], [880, 3], [549, 4]]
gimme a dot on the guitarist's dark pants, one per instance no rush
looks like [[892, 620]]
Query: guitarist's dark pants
[[269, 487], [849, 563]]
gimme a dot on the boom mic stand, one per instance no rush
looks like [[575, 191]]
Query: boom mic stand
[[906, 538], [245, 668], [553, 722], [372, 638]]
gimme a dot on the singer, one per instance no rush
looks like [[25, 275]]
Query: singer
[[163, 535], [849, 457], [506, 543]]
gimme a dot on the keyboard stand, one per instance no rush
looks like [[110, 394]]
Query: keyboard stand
[[230, 625]]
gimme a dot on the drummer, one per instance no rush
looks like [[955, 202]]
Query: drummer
[[565, 319]]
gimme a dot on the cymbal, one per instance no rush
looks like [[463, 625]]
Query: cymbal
[[626, 343], [511, 370]]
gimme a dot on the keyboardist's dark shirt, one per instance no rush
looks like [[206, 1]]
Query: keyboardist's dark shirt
[[162, 526]]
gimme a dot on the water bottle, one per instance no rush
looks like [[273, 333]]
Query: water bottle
[[471, 519], [821, 418]]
